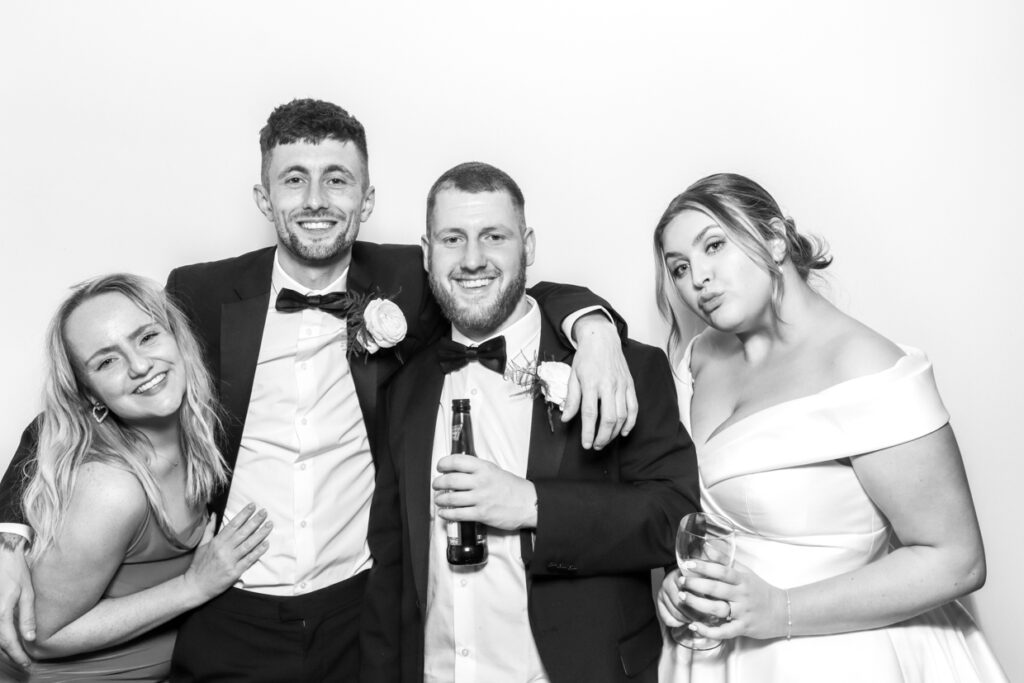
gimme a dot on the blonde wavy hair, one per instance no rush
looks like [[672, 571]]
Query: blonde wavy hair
[[69, 436]]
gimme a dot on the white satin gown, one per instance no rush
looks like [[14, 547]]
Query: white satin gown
[[802, 516]]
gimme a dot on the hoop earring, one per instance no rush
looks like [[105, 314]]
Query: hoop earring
[[99, 412]]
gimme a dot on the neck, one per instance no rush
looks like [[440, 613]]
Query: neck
[[521, 309], [314, 276], [800, 310], [164, 434]]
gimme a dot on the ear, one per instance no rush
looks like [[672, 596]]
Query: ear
[[369, 201], [778, 244], [530, 244], [259, 194], [425, 245]]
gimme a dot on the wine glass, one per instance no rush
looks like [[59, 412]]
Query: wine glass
[[710, 537]]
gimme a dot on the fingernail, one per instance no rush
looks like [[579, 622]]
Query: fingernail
[[689, 564], [692, 627]]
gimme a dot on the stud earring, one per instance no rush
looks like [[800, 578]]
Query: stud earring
[[99, 412]]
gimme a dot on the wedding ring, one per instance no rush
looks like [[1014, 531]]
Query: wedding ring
[[728, 617]]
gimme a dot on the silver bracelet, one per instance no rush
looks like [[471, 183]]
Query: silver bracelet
[[789, 618]]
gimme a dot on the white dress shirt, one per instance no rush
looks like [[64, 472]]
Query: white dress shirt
[[477, 625], [304, 454]]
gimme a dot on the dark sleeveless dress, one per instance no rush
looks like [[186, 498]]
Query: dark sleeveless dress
[[152, 559]]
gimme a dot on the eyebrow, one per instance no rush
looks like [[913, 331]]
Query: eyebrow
[[698, 238], [113, 347], [704, 232], [333, 168]]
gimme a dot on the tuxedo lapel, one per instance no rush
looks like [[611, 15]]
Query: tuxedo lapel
[[417, 413], [547, 437], [366, 368], [548, 434], [241, 333]]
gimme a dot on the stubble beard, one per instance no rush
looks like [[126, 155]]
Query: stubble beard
[[482, 320], [320, 252]]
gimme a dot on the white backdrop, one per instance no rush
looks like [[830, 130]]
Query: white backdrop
[[129, 142]]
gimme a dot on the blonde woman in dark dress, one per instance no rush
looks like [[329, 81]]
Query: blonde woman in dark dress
[[125, 463]]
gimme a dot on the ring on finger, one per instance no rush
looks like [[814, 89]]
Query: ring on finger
[[728, 616]]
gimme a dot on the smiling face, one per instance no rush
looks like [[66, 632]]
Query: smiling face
[[715, 278], [317, 194], [126, 360], [476, 251]]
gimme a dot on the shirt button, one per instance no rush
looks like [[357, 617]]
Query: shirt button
[[302, 366], [473, 392], [302, 524], [302, 421], [464, 652], [463, 582], [302, 585], [302, 466]]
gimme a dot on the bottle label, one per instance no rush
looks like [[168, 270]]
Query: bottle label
[[454, 537], [456, 431]]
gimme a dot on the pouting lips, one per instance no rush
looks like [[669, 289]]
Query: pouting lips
[[710, 303]]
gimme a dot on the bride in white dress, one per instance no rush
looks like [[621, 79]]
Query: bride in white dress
[[829, 449]]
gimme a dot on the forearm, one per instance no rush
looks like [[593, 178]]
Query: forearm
[[901, 585], [113, 620], [605, 527]]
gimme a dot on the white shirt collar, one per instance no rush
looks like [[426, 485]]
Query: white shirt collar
[[281, 280]]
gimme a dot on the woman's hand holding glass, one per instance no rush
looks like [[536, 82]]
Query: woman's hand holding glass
[[710, 591], [712, 539]]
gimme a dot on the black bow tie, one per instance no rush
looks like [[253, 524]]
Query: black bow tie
[[490, 354], [335, 303]]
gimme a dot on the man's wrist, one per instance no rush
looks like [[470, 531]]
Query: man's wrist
[[591, 318], [530, 512], [13, 542]]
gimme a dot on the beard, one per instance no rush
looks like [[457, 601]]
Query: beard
[[480, 320], [321, 251]]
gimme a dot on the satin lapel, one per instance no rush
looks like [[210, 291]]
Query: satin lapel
[[366, 369], [241, 333], [415, 442], [548, 437]]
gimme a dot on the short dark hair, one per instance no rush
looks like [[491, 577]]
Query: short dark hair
[[310, 121], [475, 177]]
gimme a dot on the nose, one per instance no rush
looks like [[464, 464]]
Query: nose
[[700, 272], [314, 196], [138, 363], [473, 257]]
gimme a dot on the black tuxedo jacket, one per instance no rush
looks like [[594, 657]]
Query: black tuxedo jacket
[[605, 519], [227, 301]]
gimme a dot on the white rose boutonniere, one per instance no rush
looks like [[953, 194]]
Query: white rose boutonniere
[[549, 379], [374, 323], [383, 325], [554, 382]]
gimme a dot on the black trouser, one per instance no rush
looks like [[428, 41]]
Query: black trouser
[[253, 638]]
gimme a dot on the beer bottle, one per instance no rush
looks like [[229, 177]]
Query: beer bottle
[[467, 541]]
